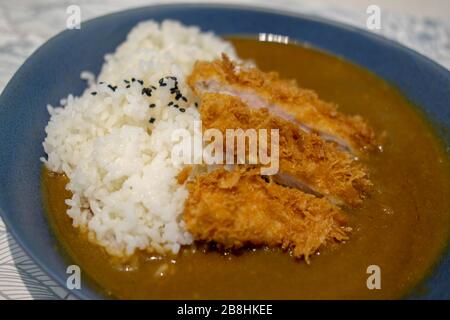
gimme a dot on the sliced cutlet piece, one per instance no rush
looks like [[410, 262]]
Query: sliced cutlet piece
[[306, 161], [239, 207], [284, 99]]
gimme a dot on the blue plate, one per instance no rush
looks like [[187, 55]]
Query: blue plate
[[53, 72]]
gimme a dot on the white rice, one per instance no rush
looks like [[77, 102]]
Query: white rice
[[123, 181]]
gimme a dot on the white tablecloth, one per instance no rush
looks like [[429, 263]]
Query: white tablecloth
[[26, 24]]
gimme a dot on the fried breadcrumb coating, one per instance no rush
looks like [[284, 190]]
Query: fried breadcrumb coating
[[299, 207], [305, 160], [284, 99], [240, 207]]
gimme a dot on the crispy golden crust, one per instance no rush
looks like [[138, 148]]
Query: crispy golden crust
[[304, 157], [284, 97], [239, 207], [184, 175]]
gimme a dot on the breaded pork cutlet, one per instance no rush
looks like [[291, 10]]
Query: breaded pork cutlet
[[306, 161], [284, 99], [239, 207]]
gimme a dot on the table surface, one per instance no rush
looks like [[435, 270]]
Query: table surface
[[26, 24]]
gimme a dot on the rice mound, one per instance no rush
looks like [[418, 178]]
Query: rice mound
[[114, 141]]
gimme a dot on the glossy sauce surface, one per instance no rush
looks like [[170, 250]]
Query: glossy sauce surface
[[402, 228]]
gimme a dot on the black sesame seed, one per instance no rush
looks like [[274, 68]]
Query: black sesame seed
[[153, 87], [147, 91], [170, 103], [162, 83], [182, 109], [175, 106], [152, 105], [184, 98], [127, 86], [113, 88], [178, 96], [101, 82], [126, 81], [133, 79], [141, 82], [94, 93], [151, 120], [196, 105]]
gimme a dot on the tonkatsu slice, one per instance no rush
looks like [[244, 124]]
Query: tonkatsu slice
[[284, 99]]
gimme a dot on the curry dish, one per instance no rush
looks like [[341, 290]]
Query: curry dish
[[398, 219]]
